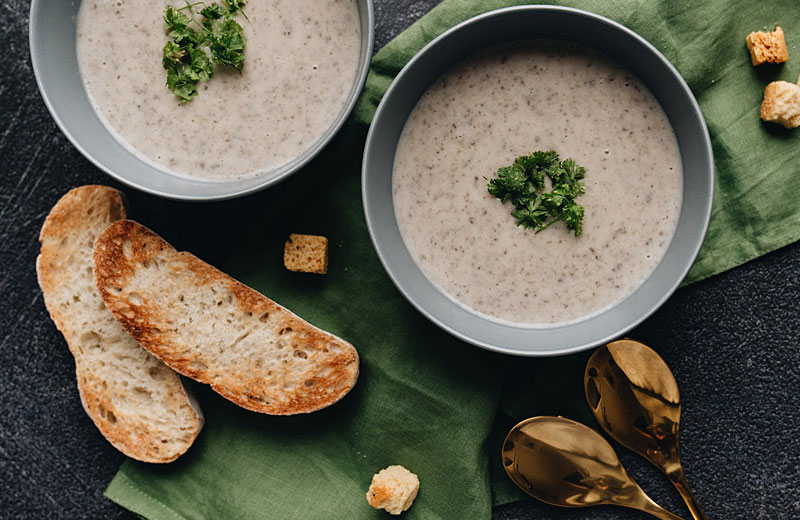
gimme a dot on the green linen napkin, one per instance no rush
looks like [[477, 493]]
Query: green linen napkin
[[425, 400]]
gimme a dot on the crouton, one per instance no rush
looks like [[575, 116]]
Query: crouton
[[767, 47], [393, 489], [781, 104], [306, 254]]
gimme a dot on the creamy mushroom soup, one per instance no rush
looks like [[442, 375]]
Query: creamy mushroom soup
[[510, 101], [301, 59]]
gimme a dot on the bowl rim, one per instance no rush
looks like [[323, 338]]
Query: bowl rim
[[694, 250], [297, 163]]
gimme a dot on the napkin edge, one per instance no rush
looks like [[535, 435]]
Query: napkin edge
[[125, 493]]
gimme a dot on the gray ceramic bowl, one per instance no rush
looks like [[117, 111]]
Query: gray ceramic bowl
[[535, 22], [55, 64]]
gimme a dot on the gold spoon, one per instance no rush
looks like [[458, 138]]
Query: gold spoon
[[635, 398], [564, 463]]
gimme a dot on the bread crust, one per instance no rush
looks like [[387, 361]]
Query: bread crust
[[251, 350], [63, 267]]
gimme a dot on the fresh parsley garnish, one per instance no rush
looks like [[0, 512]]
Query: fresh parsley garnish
[[197, 44], [523, 183]]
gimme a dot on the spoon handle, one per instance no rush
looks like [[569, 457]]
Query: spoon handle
[[656, 510], [678, 479]]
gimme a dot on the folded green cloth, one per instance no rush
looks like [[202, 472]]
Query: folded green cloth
[[425, 400]]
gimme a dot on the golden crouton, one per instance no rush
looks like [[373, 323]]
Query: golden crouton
[[393, 489], [781, 104], [767, 46], [306, 254]]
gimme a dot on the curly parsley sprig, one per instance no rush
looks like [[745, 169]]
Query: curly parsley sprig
[[523, 184], [185, 57]]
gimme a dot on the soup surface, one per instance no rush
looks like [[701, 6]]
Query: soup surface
[[301, 59], [510, 101]]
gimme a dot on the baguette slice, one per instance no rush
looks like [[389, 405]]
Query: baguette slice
[[136, 401], [207, 326]]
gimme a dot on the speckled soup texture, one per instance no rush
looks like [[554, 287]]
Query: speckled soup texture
[[513, 100], [301, 59]]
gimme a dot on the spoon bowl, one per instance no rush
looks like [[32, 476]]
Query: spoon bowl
[[635, 398], [564, 463]]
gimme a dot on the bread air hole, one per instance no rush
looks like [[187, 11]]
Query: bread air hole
[[257, 398], [143, 393], [301, 354], [284, 330], [264, 317], [91, 337], [111, 417]]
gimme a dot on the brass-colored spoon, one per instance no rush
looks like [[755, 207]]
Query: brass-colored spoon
[[635, 398], [564, 463]]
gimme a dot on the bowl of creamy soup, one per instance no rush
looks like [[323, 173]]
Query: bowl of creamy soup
[[500, 87], [256, 114]]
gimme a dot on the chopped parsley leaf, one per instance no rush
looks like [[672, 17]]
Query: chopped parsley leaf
[[523, 184]]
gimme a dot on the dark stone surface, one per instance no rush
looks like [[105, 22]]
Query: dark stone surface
[[732, 341]]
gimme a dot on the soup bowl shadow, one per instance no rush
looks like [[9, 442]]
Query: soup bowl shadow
[[52, 33], [526, 23]]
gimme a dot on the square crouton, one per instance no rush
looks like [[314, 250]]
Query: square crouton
[[781, 104], [393, 489], [767, 46], [306, 254]]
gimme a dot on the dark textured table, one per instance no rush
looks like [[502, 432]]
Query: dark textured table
[[731, 340]]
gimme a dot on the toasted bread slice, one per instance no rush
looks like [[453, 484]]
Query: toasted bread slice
[[136, 401], [207, 326]]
